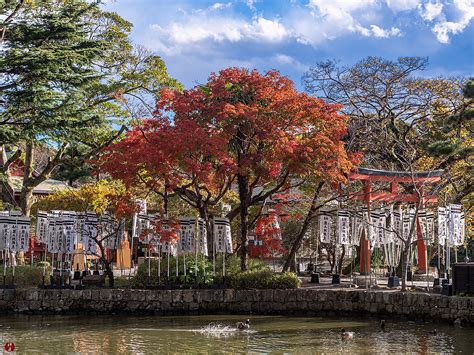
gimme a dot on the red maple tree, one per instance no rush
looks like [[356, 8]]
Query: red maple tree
[[241, 126]]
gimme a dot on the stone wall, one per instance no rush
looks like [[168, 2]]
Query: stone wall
[[300, 301]]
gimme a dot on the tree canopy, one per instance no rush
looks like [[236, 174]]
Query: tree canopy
[[241, 126], [69, 77]]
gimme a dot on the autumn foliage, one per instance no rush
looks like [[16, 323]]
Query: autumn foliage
[[268, 237], [254, 130]]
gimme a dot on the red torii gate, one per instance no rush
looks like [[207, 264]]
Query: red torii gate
[[367, 176]]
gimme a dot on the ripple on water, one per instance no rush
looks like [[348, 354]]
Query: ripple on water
[[129, 334]]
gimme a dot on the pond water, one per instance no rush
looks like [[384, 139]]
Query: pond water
[[120, 334]]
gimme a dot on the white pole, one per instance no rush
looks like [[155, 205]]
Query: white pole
[[159, 263], [134, 231], [214, 251], [184, 264], [168, 262], [149, 261], [5, 265], [196, 241]]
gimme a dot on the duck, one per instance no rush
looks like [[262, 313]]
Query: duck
[[243, 325], [434, 332], [382, 324], [346, 335]]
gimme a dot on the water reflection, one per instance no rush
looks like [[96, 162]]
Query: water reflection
[[148, 335]]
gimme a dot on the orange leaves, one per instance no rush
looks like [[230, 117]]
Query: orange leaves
[[239, 122], [268, 238]]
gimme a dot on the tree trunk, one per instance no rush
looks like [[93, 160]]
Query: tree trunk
[[110, 273], [341, 260], [6, 186], [405, 259], [26, 199], [8, 194], [331, 259], [26, 194], [244, 216], [204, 214], [289, 262], [307, 222]]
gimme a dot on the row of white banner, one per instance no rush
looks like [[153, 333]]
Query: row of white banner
[[385, 226], [192, 235], [14, 231], [62, 231]]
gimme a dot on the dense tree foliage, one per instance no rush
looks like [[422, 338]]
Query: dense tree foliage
[[241, 126], [69, 77]]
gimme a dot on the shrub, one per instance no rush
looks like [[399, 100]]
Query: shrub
[[264, 279], [201, 264], [122, 282], [25, 275], [232, 265]]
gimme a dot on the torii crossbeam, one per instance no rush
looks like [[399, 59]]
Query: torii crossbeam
[[418, 179]]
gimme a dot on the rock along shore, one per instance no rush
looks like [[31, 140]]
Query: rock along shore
[[411, 305]]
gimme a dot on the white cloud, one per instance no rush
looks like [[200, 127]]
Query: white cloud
[[174, 37], [331, 19], [403, 5], [430, 11], [219, 6], [464, 9], [284, 60], [311, 24], [251, 4], [382, 33]]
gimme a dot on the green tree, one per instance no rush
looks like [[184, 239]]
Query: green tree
[[69, 79]]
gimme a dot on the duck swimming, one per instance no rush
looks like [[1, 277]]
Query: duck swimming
[[243, 325], [346, 335], [434, 332], [382, 324]]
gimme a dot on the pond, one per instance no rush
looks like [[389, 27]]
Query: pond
[[120, 334]]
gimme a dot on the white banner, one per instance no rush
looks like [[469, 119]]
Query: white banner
[[430, 227], [343, 227], [408, 217], [69, 232], [378, 221], [356, 226], [23, 233], [442, 225], [190, 242], [454, 226], [325, 227], [41, 226], [222, 235], [5, 224]]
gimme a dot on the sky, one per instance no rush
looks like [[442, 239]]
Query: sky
[[197, 37]]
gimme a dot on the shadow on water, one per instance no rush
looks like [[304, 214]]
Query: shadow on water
[[194, 334]]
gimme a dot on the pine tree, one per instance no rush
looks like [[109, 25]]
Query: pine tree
[[68, 72]]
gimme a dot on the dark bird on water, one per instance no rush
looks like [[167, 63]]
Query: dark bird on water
[[382, 324], [244, 325]]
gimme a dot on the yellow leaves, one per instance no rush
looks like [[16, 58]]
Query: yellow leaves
[[89, 197]]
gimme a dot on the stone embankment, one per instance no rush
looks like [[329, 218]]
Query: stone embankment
[[412, 305]]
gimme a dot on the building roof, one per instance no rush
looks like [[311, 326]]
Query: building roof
[[47, 187]]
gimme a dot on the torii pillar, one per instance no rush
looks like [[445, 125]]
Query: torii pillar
[[367, 176]]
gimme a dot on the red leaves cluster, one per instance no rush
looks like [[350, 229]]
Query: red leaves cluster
[[268, 233], [162, 230], [239, 122], [167, 230]]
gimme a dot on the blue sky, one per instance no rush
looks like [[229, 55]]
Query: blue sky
[[198, 37]]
